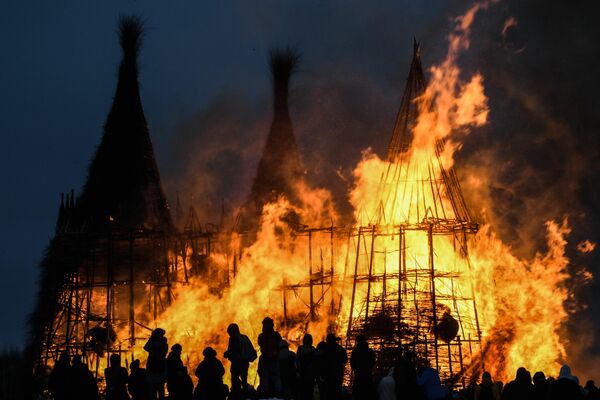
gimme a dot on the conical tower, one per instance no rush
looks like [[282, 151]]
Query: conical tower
[[280, 166], [118, 230], [411, 290], [123, 186]]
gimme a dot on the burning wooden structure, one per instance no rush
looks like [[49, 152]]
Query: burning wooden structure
[[117, 258]]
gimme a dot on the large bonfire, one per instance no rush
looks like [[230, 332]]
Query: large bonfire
[[520, 302]]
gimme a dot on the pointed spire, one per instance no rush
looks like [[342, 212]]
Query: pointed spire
[[408, 112], [413, 191], [123, 179], [280, 165], [61, 214]]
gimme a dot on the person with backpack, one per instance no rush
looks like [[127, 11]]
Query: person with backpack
[[487, 390], [240, 353], [268, 363]]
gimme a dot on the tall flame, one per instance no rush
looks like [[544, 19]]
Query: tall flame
[[520, 302]]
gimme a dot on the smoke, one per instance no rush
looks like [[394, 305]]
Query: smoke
[[538, 155]]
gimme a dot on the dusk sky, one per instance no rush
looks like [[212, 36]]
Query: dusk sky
[[204, 83]]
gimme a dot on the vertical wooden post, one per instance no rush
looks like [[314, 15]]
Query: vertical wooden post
[[433, 300], [371, 256], [310, 278], [354, 286]]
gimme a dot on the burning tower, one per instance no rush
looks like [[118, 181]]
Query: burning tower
[[411, 252], [109, 270], [280, 167]]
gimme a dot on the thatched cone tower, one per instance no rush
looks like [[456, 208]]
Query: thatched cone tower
[[280, 167], [122, 194]]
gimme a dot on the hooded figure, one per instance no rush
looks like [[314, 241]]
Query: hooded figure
[[519, 389], [210, 377], [429, 380], [387, 386], [565, 386], [487, 390]]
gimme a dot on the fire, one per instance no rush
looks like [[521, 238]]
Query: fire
[[515, 305]]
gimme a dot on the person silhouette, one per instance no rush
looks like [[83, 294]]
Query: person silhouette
[[83, 384], [540, 386], [210, 377], [333, 359], [178, 380], [156, 365], [287, 370], [306, 355], [268, 363], [137, 383], [591, 391], [362, 361], [487, 390], [520, 388], [58, 381], [566, 386], [116, 379], [240, 353]]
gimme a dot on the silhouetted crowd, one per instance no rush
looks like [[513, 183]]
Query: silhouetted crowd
[[312, 373]]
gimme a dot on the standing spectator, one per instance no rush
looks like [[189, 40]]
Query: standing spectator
[[362, 362], [83, 384], [240, 352], [334, 359], [540, 386], [156, 366], [387, 386], [210, 377], [268, 363], [565, 386], [138, 382], [320, 372], [288, 371], [178, 381], [306, 355], [405, 378], [58, 381], [487, 390], [591, 391], [519, 389], [429, 381], [116, 379]]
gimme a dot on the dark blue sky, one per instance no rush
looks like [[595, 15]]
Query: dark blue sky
[[205, 89]]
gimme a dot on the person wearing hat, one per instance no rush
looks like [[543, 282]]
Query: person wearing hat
[[210, 377], [156, 365], [268, 362]]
